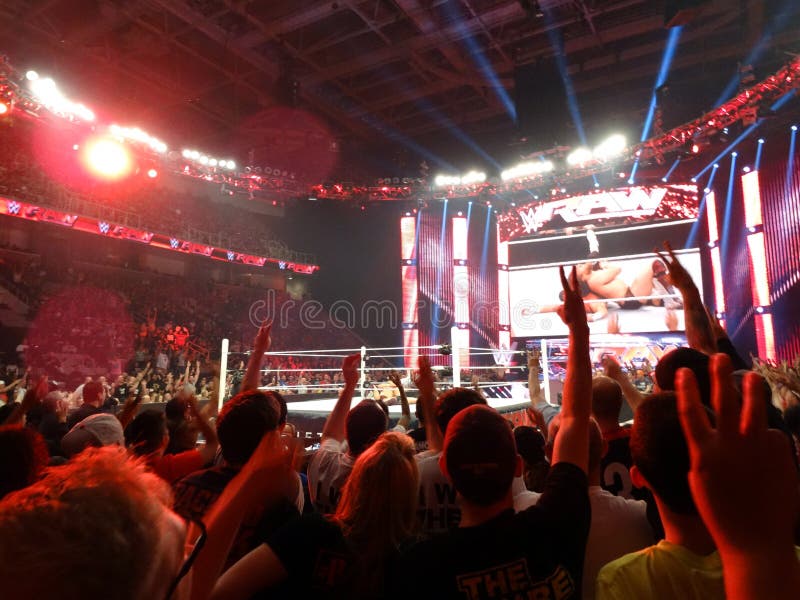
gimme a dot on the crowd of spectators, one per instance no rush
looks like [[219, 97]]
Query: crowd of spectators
[[698, 498], [144, 205], [93, 319]]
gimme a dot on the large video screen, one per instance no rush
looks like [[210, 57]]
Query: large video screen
[[630, 294], [610, 237], [619, 207]]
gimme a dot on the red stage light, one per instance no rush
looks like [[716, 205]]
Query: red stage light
[[107, 159], [152, 173], [3, 108], [695, 148]]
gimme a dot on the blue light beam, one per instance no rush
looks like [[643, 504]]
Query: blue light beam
[[726, 222], [663, 72]]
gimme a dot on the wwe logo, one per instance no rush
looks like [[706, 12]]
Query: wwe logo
[[502, 356], [281, 265], [530, 220], [13, 207], [174, 243], [231, 255], [103, 227]]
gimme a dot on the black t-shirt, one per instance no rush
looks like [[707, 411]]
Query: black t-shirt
[[420, 438], [537, 553], [196, 493], [317, 558], [83, 411], [121, 393], [615, 475]]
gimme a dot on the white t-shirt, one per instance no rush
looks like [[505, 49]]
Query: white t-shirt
[[523, 497], [619, 526], [438, 509], [327, 473]]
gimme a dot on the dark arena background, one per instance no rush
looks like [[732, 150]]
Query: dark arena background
[[393, 185]]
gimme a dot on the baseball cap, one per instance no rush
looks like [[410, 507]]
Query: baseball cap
[[479, 454], [96, 430]]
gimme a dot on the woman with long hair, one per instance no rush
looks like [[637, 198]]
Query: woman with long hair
[[348, 554]]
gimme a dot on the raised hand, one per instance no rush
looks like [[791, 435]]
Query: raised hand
[[612, 368], [424, 379], [350, 366], [534, 357], [677, 273], [750, 520], [573, 311], [263, 339], [394, 377]]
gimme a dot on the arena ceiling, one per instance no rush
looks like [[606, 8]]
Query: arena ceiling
[[433, 74]]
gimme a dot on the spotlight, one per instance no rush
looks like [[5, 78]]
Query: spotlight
[[75, 146], [31, 76], [579, 156], [612, 146], [473, 177], [3, 108], [694, 179], [212, 162], [746, 169], [152, 173], [107, 158], [630, 181], [231, 165], [794, 127], [760, 310], [760, 140], [186, 153], [695, 148], [751, 229], [664, 179], [734, 154], [460, 214], [596, 184], [716, 166], [204, 160], [706, 190]]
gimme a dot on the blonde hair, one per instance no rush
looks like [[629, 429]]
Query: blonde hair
[[91, 528], [377, 510]]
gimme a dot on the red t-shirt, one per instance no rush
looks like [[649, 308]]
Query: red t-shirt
[[172, 467]]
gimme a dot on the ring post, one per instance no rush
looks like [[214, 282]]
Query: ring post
[[363, 378], [455, 359], [223, 373]]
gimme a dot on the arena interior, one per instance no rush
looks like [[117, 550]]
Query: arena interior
[[399, 298]]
